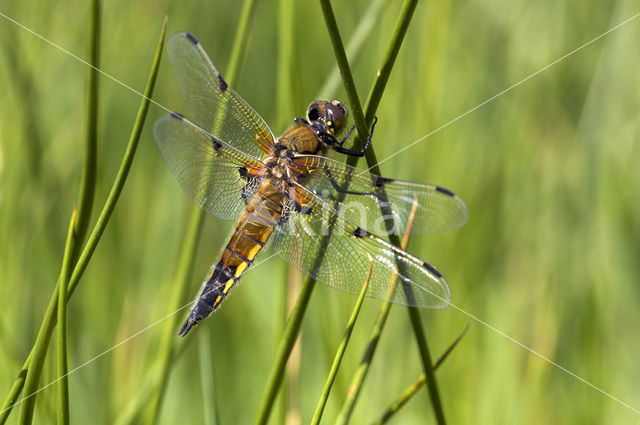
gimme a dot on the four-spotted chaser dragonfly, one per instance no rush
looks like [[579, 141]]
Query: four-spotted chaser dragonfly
[[290, 196]]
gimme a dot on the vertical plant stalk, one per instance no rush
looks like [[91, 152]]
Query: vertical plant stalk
[[285, 101], [194, 226], [427, 365], [90, 163], [357, 381], [284, 349], [413, 388], [345, 71], [34, 362], [166, 351], [241, 41], [86, 193], [402, 24], [65, 274], [206, 379], [130, 413], [337, 360], [359, 36], [295, 321]]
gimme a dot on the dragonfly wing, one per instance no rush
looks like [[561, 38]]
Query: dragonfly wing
[[438, 209], [348, 250], [211, 103], [213, 174]]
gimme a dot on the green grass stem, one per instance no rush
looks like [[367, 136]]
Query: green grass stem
[[362, 124], [284, 349], [165, 353], [293, 325], [345, 70], [240, 42], [418, 383], [90, 162], [357, 382], [206, 379], [63, 383], [337, 360], [360, 35], [189, 244], [35, 360], [286, 96]]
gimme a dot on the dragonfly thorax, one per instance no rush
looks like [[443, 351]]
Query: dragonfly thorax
[[279, 161]]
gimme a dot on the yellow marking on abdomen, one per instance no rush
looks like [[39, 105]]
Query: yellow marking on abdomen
[[241, 267], [253, 252], [228, 286], [217, 301]]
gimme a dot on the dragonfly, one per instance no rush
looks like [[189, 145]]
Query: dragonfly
[[285, 194]]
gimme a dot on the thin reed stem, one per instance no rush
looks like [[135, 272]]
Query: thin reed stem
[[413, 388], [294, 323], [165, 353], [35, 360], [284, 349], [86, 194], [90, 162], [357, 381], [362, 124], [206, 379], [359, 36], [188, 251], [286, 106], [63, 383], [345, 71], [337, 360]]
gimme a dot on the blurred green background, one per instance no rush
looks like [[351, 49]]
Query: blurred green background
[[549, 171]]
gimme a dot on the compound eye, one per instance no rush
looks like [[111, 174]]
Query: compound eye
[[314, 114]]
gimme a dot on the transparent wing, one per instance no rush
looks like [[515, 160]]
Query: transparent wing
[[346, 257], [211, 103], [214, 175], [438, 208]]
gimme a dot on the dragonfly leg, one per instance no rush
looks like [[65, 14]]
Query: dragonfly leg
[[350, 152], [340, 189]]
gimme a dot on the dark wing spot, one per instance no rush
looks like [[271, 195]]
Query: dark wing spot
[[176, 115], [432, 269], [445, 191], [361, 233], [222, 83], [297, 207], [191, 38], [216, 145], [382, 181], [243, 172]]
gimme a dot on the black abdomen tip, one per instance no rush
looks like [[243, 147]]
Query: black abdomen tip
[[191, 38], [186, 327]]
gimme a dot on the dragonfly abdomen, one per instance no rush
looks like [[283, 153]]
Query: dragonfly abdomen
[[248, 238]]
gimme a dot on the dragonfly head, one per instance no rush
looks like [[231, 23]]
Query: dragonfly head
[[333, 115]]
